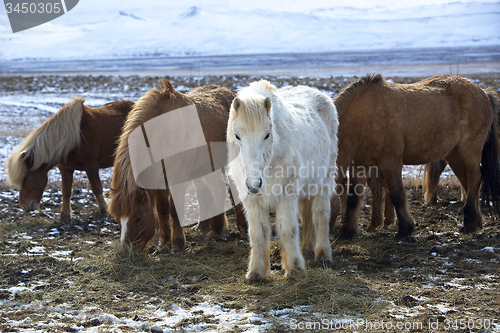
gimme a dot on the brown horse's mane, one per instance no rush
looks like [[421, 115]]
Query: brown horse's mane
[[48, 144], [124, 191], [346, 95]]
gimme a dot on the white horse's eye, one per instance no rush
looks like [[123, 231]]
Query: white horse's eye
[[237, 137], [267, 136]]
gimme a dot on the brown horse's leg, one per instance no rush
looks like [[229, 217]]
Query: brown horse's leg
[[208, 206], [472, 214], [338, 201], [470, 179], [217, 225], [389, 212], [353, 205], [335, 212], [307, 228], [377, 190], [398, 197], [241, 221], [96, 186], [458, 168], [67, 189], [162, 207], [432, 173], [178, 238]]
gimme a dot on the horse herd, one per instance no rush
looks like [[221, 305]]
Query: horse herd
[[292, 150]]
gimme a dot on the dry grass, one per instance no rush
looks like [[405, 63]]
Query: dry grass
[[217, 269]]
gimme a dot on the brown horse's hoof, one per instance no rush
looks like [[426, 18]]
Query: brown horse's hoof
[[348, 234], [372, 227], [405, 231], [388, 224], [178, 246], [203, 227], [212, 235], [468, 229], [103, 213], [407, 238], [65, 217], [243, 233]]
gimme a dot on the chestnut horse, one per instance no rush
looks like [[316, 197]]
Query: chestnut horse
[[387, 125], [132, 206], [77, 137]]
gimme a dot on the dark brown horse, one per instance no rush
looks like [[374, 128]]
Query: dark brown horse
[[77, 137], [132, 206], [387, 125]]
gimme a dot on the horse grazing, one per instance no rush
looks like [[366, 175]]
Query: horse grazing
[[387, 125], [77, 137], [141, 211], [282, 153]]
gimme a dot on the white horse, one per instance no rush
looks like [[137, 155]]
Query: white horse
[[282, 153]]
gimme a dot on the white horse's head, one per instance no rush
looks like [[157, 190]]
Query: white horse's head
[[250, 127]]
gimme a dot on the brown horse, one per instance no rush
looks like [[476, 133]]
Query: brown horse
[[387, 125], [77, 137], [132, 205]]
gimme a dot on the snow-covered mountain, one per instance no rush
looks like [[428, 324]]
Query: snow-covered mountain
[[97, 29]]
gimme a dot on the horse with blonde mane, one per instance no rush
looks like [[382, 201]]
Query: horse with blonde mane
[[387, 125], [77, 137], [282, 153], [141, 211]]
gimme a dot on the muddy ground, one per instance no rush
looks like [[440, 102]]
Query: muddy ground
[[75, 277]]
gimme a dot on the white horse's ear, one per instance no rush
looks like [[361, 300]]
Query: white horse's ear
[[236, 104], [268, 104]]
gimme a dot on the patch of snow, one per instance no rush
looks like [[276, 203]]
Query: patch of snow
[[489, 249]]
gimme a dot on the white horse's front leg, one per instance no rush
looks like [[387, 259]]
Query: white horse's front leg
[[287, 225], [259, 229], [321, 217]]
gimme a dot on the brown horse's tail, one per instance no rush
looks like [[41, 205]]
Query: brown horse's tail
[[490, 166]]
